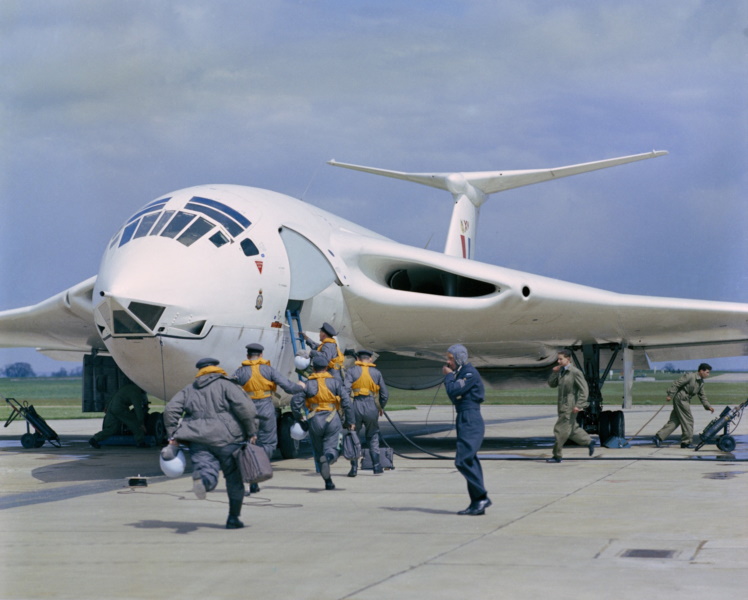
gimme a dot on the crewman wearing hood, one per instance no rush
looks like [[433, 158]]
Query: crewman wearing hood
[[216, 418], [465, 390]]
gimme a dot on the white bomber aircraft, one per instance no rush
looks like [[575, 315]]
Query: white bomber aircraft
[[205, 270]]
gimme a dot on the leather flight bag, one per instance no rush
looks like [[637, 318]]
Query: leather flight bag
[[254, 463]]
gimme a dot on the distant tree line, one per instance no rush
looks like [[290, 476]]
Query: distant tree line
[[23, 369]]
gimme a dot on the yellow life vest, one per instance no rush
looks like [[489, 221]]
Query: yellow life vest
[[337, 362], [324, 399], [210, 369], [257, 386], [364, 385]]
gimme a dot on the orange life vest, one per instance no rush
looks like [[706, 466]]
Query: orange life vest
[[364, 385], [337, 362], [324, 399], [257, 386]]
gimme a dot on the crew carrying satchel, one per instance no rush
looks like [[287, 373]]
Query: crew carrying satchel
[[254, 463]]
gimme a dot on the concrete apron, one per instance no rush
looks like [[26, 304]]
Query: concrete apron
[[628, 523]]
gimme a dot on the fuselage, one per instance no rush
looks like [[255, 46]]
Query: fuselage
[[206, 270]]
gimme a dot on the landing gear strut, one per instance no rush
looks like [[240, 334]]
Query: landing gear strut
[[606, 423]]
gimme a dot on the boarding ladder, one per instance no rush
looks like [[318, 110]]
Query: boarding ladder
[[293, 318]]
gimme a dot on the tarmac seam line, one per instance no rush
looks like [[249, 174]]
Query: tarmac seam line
[[480, 537]]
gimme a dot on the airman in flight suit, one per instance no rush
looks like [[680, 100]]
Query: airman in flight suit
[[365, 385], [260, 380], [323, 397], [328, 348]]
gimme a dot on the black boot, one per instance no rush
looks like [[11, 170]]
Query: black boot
[[354, 469], [329, 485], [378, 468], [324, 466], [235, 509]]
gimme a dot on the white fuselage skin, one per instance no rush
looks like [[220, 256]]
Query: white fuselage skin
[[241, 299], [218, 298]]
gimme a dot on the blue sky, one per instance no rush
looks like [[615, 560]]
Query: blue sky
[[106, 105]]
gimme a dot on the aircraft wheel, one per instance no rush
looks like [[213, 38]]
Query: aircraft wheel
[[38, 440], [28, 441], [289, 447], [155, 426], [617, 424], [726, 443], [604, 430]]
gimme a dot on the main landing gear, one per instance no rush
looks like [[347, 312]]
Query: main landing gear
[[609, 425]]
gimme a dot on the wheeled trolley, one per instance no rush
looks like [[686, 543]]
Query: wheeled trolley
[[727, 423], [42, 431]]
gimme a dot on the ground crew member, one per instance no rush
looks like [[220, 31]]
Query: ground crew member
[[214, 417], [572, 399], [323, 397], [118, 411], [685, 387], [465, 390], [368, 392], [328, 348], [260, 380]]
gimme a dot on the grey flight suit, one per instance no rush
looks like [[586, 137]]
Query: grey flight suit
[[267, 426], [572, 392], [118, 411], [365, 406], [213, 416], [465, 390], [325, 426], [681, 392], [329, 351]]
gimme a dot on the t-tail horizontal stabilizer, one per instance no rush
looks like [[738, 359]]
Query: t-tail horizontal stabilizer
[[470, 190]]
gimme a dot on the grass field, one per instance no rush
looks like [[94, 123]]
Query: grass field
[[60, 398]]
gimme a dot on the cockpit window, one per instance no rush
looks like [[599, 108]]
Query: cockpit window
[[152, 207], [231, 225], [178, 223], [161, 222], [195, 231], [219, 239], [187, 225], [145, 225], [127, 233], [237, 216]]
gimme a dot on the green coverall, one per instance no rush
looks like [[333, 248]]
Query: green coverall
[[685, 387], [118, 411], [572, 392]]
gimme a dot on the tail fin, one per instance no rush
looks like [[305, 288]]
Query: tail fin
[[471, 190]]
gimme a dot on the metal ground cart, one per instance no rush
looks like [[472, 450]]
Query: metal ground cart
[[42, 431], [726, 422]]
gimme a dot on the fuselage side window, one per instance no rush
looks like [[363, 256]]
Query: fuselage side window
[[195, 231], [249, 248], [179, 222]]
